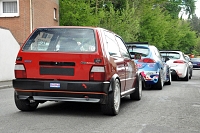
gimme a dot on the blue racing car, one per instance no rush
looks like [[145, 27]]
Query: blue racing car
[[152, 66]]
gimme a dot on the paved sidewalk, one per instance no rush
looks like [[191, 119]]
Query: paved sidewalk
[[5, 84]]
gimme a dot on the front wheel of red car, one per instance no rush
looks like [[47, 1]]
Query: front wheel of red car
[[137, 95], [114, 99], [25, 105]]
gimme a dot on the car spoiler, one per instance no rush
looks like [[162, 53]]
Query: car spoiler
[[170, 50], [137, 44]]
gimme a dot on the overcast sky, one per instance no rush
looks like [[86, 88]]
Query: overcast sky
[[198, 8], [197, 11]]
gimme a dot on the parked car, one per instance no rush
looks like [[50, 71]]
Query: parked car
[[178, 64], [78, 64], [195, 62], [188, 59], [154, 70]]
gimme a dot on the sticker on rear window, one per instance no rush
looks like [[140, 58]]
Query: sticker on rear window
[[55, 85]]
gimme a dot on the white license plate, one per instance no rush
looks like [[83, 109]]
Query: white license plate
[[149, 73], [54, 85]]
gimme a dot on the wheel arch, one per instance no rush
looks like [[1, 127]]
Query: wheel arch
[[112, 80]]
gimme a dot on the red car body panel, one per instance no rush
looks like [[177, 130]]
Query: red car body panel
[[52, 75]]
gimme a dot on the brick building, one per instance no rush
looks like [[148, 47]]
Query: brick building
[[21, 17]]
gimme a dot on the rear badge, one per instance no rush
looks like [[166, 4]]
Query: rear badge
[[55, 85], [27, 61]]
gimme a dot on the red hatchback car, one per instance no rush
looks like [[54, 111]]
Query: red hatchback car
[[73, 63]]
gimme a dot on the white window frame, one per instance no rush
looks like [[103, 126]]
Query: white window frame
[[55, 14], [8, 14]]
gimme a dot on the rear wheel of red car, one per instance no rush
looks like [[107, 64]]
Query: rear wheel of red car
[[138, 90], [114, 99], [25, 105]]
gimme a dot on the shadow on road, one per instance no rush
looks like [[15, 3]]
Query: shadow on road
[[74, 108]]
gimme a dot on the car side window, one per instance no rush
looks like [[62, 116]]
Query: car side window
[[112, 45], [122, 47], [157, 52], [184, 56], [187, 58]]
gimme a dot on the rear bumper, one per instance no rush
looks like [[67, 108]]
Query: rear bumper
[[196, 66], [180, 72], [50, 90], [150, 77]]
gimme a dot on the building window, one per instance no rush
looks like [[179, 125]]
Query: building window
[[55, 14], [9, 8]]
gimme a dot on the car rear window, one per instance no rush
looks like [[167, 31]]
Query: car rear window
[[61, 40], [136, 50], [170, 55]]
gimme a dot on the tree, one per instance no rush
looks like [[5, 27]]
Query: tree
[[188, 37], [153, 21], [124, 22], [153, 26], [195, 24], [73, 12]]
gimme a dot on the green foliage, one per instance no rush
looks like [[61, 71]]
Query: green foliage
[[153, 27], [196, 49], [102, 14], [172, 36], [153, 21], [120, 22], [187, 38], [173, 7], [77, 12], [195, 24]]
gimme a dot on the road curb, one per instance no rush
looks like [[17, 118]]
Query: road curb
[[5, 86]]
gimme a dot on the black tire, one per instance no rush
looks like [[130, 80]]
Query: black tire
[[159, 84], [112, 105], [174, 77], [186, 78], [137, 95], [170, 79], [25, 105], [190, 74]]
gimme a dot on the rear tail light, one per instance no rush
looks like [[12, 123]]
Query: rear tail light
[[179, 61], [147, 60], [97, 73], [20, 71]]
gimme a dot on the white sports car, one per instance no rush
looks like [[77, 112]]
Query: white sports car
[[178, 64]]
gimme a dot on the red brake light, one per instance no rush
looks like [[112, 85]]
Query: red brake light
[[147, 60], [179, 61], [97, 73], [20, 71]]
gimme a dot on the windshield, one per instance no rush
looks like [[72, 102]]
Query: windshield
[[171, 55], [138, 50], [61, 40]]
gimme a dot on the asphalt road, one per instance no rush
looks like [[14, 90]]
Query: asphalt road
[[175, 109]]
